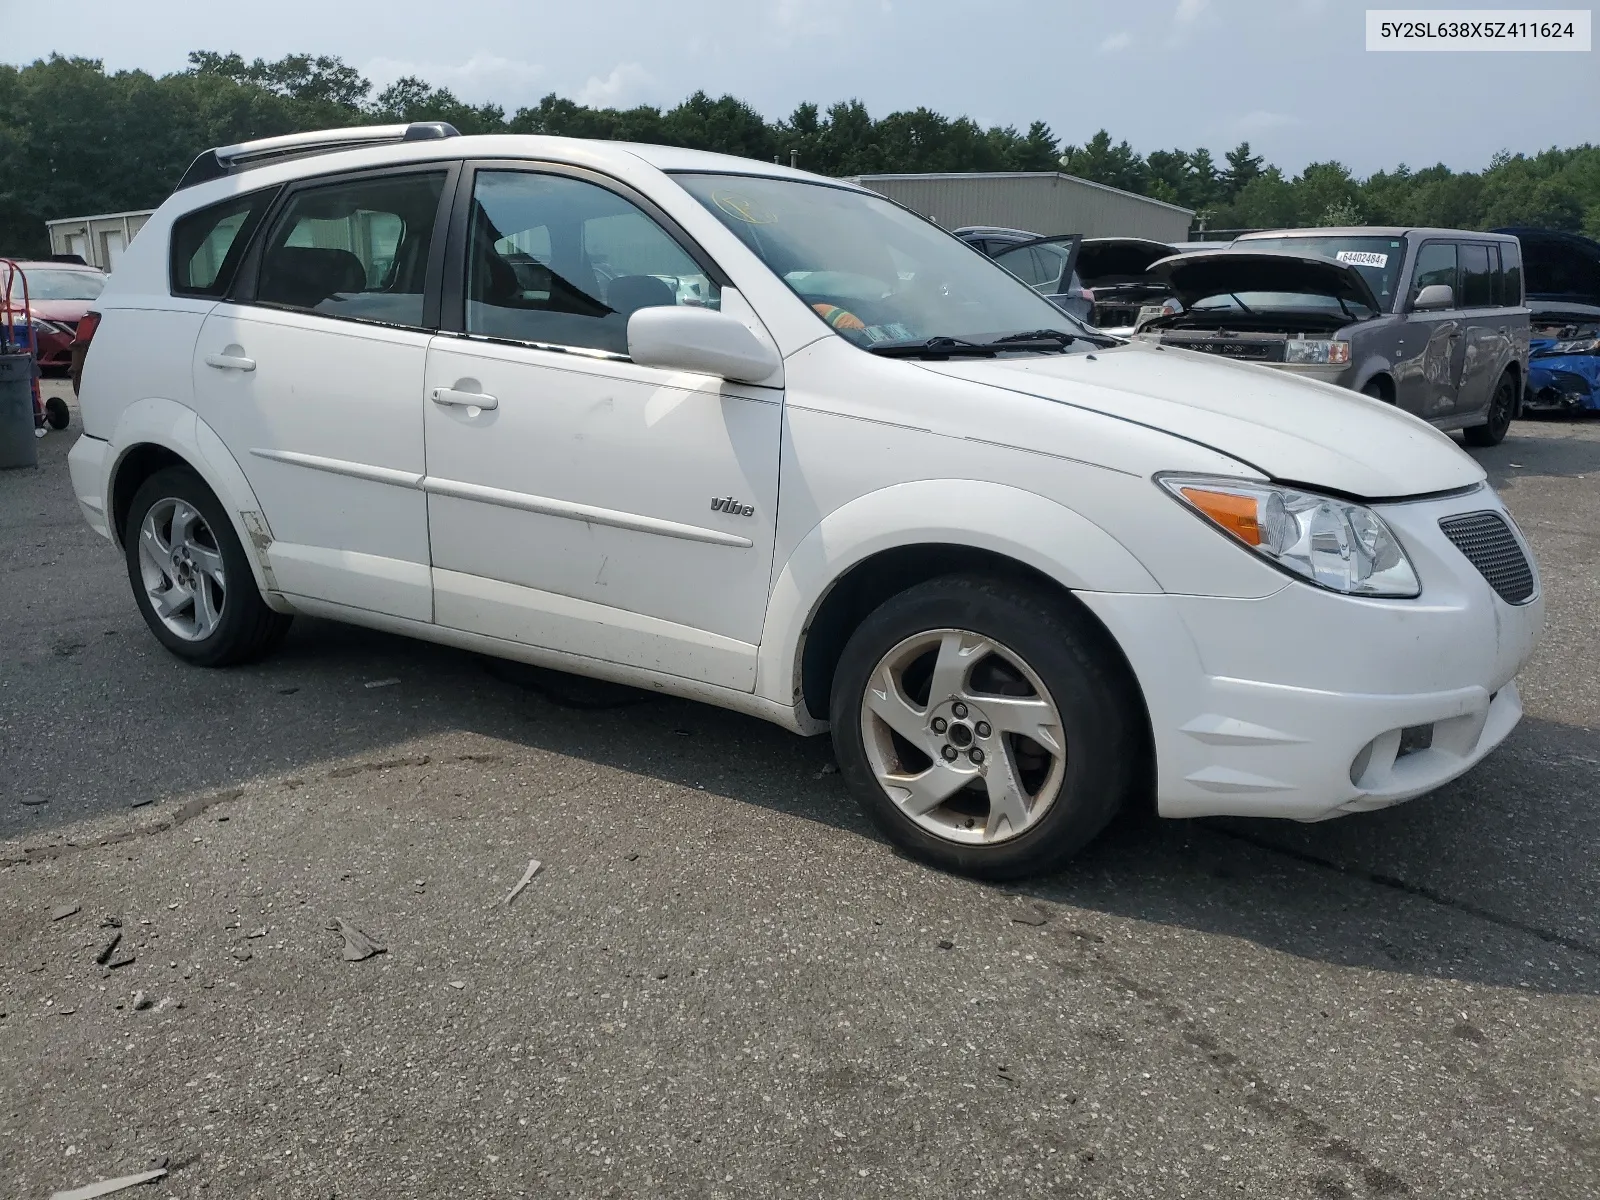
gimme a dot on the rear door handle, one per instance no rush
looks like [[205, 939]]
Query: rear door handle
[[450, 396], [230, 362]]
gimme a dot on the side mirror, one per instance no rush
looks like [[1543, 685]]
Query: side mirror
[[1433, 297], [678, 338]]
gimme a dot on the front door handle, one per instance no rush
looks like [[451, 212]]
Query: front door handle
[[449, 396], [230, 362]]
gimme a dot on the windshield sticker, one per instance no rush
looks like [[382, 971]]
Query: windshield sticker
[[1362, 258], [743, 208], [894, 332]]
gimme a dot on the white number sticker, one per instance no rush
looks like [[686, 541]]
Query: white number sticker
[[1362, 258]]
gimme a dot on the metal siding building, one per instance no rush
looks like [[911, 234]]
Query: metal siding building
[[99, 240], [1043, 202]]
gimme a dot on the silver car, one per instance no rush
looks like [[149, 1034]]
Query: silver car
[[1432, 320]]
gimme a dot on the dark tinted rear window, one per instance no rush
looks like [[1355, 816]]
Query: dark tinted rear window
[[1477, 278], [208, 244], [1511, 273]]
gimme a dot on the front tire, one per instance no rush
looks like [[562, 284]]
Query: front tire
[[1502, 408], [190, 576], [984, 726]]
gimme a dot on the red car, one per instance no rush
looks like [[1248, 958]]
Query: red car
[[58, 296]]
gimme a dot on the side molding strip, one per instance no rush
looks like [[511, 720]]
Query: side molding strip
[[503, 498]]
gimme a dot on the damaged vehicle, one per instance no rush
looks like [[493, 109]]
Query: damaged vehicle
[[1563, 285], [1116, 271], [1430, 320]]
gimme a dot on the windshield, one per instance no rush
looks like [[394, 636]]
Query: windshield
[[64, 285], [1378, 259], [872, 271]]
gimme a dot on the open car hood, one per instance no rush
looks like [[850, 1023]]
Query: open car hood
[[1118, 258], [1196, 277], [1558, 266], [1293, 429]]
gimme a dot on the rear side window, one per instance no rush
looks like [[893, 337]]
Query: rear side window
[[209, 243], [1511, 269], [357, 249], [1477, 280]]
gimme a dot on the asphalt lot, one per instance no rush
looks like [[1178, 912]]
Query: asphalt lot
[[721, 983]]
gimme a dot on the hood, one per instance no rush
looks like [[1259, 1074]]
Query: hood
[[1289, 428], [1194, 277], [1118, 259], [60, 310], [1558, 266]]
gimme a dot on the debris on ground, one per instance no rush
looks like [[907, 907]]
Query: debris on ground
[[140, 1002], [457, 984], [1034, 915], [107, 1186], [378, 683], [141, 801], [62, 912], [33, 801], [257, 933], [527, 877], [357, 945], [828, 768], [122, 958], [109, 948], [243, 953], [946, 944]]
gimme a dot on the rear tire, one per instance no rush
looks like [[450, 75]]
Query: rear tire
[[190, 576], [929, 702], [1502, 408], [1375, 389]]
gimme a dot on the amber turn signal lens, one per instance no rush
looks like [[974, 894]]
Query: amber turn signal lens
[[1236, 514]]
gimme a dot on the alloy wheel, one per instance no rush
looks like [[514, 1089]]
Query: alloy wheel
[[181, 567], [963, 736]]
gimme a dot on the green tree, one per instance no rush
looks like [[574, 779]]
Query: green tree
[[1102, 162], [1244, 169]]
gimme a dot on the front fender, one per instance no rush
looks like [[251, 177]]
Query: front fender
[[159, 422], [1021, 525]]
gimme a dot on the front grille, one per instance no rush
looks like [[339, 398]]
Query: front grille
[[1489, 544], [1250, 351]]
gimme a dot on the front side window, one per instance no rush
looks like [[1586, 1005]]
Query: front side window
[[1436, 263], [1477, 280], [208, 244], [357, 249], [561, 261], [873, 271]]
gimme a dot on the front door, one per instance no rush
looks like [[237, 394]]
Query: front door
[[313, 379], [576, 500], [1427, 381]]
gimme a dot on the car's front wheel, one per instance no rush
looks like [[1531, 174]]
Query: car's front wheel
[[1502, 408], [190, 576], [985, 726]]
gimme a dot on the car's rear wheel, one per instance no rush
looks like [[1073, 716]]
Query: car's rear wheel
[[1502, 408], [985, 726], [190, 576], [1376, 389]]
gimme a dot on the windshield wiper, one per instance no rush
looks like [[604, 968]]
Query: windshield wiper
[[946, 347]]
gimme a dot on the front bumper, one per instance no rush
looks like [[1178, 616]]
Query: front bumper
[[1307, 704], [1563, 383]]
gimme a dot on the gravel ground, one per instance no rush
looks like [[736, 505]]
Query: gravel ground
[[721, 982]]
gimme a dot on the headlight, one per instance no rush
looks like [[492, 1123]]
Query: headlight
[[1589, 346], [1330, 542], [40, 325], [1307, 350]]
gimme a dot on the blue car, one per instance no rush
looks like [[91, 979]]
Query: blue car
[[1563, 292]]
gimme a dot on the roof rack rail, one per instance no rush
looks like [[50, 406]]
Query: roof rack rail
[[226, 160]]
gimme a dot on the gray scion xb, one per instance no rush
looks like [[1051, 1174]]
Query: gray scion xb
[[1432, 320]]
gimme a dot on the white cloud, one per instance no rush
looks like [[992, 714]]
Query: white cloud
[[1120, 40], [1190, 11], [483, 78], [616, 90]]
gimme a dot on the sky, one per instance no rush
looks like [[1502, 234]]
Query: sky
[[1292, 77]]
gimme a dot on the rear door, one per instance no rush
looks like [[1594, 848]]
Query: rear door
[[1428, 378], [1486, 328], [312, 372], [1047, 266]]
